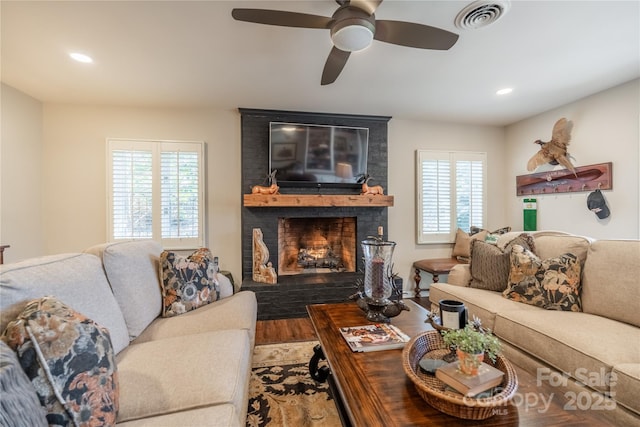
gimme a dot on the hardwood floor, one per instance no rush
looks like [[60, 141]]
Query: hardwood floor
[[284, 330], [298, 329]]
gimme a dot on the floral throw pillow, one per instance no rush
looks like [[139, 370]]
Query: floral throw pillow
[[188, 282], [70, 362], [552, 283]]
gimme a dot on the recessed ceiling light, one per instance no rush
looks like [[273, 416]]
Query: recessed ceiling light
[[504, 91], [81, 57]]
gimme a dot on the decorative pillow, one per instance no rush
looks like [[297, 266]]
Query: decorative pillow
[[475, 230], [20, 405], [489, 266], [492, 239], [225, 284], [69, 360], [462, 245], [553, 283], [188, 282]]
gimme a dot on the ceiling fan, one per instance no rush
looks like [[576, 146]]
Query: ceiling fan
[[353, 27]]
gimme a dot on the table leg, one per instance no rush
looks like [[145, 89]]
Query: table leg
[[319, 374], [416, 278]]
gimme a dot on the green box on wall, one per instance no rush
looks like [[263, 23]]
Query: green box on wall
[[530, 215]]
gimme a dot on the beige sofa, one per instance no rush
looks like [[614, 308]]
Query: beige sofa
[[596, 352], [188, 370]]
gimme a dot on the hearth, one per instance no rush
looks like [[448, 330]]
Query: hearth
[[316, 245]]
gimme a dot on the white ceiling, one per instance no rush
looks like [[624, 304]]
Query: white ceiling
[[194, 54]]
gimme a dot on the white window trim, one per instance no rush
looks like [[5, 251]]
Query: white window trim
[[156, 147], [453, 156]]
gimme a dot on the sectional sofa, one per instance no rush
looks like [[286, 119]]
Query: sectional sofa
[[593, 355], [192, 369]]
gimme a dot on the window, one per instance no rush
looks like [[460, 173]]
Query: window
[[451, 193], [156, 191]]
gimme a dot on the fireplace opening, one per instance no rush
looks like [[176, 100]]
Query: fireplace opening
[[316, 245]]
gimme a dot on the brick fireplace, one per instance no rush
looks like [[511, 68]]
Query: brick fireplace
[[316, 245], [327, 266]]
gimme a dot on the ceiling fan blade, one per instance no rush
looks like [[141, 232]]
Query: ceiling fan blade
[[414, 35], [280, 17], [368, 6], [333, 67]]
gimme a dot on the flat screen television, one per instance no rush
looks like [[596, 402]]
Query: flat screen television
[[307, 155]]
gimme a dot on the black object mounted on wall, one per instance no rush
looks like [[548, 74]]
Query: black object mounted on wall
[[598, 205]]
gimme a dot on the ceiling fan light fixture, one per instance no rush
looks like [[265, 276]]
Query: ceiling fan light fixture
[[352, 35]]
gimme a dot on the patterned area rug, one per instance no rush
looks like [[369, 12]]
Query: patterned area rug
[[283, 394]]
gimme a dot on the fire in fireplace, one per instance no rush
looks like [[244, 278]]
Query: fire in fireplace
[[316, 245]]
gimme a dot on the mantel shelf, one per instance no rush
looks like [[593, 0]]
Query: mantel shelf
[[316, 200]]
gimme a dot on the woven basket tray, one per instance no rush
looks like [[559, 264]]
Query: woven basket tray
[[435, 392]]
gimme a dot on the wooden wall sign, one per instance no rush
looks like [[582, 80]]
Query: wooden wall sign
[[586, 178]]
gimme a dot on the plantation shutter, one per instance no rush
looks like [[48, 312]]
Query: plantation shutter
[[156, 191], [469, 193], [132, 192], [180, 192], [450, 194]]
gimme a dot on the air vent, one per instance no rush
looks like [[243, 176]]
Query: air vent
[[481, 13]]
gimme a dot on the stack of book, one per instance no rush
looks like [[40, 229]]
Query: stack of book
[[487, 378]]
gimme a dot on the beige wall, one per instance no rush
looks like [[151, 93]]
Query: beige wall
[[21, 177], [407, 136], [58, 204], [605, 129], [74, 191]]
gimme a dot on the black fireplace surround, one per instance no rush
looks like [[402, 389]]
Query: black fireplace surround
[[289, 297]]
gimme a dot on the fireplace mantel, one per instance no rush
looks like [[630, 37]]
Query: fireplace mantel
[[316, 200]]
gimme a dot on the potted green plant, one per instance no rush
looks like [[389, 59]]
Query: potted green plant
[[471, 344]]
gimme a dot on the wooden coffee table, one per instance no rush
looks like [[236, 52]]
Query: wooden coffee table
[[371, 389]]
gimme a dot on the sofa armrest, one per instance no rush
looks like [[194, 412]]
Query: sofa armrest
[[460, 275]]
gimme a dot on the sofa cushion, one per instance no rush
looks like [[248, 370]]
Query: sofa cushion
[[610, 280], [550, 244], [575, 343], [132, 270], [552, 283], [78, 280], [188, 282], [223, 415], [70, 361], [479, 302], [460, 275], [490, 265], [625, 385], [20, 405], [185, 373], [236, 312]]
